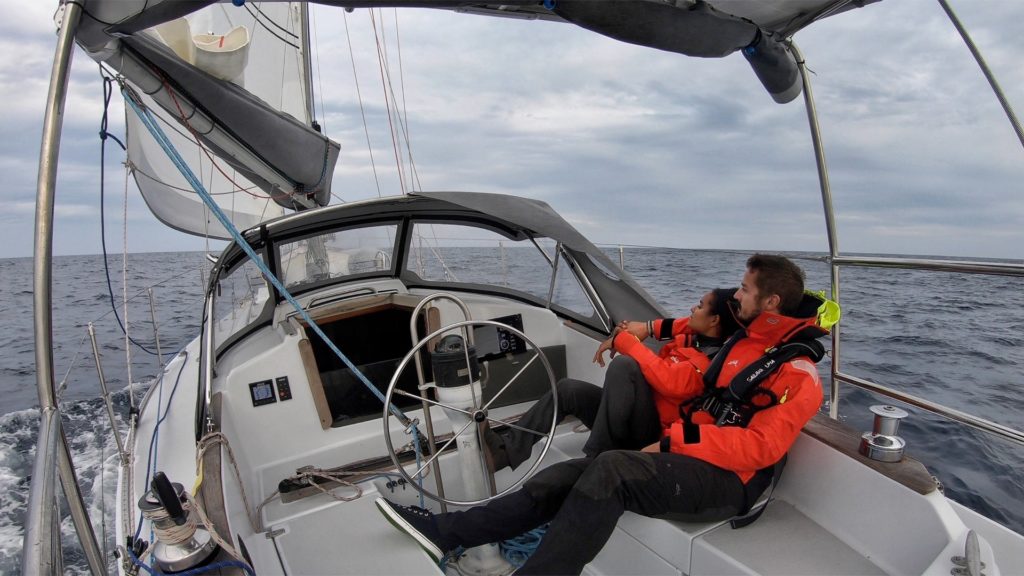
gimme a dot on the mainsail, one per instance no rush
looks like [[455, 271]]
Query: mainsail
[[229, 86]]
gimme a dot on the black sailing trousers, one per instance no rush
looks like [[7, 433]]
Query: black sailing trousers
[[621, 415], [584, 498]]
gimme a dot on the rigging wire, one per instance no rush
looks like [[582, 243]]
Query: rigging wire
[[107, 93], [403, 118], [394, 135], [138, 171], [362, 111], [256, 6], [193, 138]]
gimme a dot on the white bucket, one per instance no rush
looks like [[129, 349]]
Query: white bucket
[[223, 55]]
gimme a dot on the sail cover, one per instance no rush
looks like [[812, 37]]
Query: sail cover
[[229, 87]]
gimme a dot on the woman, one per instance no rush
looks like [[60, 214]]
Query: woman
[[642, 390]]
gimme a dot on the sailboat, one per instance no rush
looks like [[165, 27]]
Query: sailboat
[[316, 383]]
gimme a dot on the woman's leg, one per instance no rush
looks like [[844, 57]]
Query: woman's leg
[[575, 397], [627, 418]]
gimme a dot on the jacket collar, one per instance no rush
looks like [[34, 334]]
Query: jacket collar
[[777, 328]]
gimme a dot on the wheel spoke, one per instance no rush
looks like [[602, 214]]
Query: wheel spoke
[[435, 455], [516, 427], [511, 380], [432, 402]]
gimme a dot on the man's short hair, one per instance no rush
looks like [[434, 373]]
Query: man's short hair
[[778, 275]]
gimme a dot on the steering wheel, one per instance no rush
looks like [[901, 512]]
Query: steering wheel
[[478, 414]]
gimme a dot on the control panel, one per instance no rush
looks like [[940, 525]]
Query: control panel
[[492, 342], [269, 391]]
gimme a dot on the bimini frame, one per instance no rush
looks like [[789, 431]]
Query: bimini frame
[[836, 260], [41, 553]]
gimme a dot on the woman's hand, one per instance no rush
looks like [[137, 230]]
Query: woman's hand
[[609, 346]]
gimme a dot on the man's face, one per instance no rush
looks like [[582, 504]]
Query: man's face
[[751, 303]]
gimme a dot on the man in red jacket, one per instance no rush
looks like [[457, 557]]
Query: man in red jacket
[[711, 464]]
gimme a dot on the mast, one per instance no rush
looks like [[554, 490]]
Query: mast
[[307, 71]]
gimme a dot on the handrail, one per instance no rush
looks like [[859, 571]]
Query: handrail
[[982, 424], [422, 380]]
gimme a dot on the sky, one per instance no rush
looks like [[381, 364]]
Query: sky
[[631, 145]]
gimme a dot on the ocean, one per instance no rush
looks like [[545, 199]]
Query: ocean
[[956, 339]]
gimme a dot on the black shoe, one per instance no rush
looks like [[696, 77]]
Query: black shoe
[[416, 522]]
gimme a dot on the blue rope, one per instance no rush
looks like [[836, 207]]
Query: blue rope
[[172, 153], [519, 549], [419, 458]]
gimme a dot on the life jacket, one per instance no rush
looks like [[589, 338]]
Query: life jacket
[[736, 404]]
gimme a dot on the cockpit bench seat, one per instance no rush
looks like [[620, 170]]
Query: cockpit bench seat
[[816, 523]]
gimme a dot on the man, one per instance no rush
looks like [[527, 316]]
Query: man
[[711, 464]]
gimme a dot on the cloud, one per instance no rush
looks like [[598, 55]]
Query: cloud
[[633, 145]]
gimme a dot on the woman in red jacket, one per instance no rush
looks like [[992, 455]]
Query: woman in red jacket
[[642, 390]]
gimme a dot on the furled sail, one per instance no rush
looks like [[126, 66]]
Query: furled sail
[[229, 86]]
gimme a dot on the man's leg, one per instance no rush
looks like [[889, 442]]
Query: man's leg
[[506, 517], [535, 504], [575, 397], [619, 480], [627, 418]]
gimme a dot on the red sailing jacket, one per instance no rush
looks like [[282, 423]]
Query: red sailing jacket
[[675, 373], [770, 432]]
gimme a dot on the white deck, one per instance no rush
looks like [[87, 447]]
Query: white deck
[[353, 538]]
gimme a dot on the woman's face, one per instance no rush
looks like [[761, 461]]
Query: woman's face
[[702, 320]]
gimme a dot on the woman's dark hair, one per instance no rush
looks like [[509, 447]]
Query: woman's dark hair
[[724, 307]]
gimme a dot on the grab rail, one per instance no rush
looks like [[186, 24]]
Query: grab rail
[[933, 264], [935, 408]]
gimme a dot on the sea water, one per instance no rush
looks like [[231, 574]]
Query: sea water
[[955, 339]]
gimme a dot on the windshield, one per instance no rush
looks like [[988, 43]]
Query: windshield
[[337, 255], [471, 255]]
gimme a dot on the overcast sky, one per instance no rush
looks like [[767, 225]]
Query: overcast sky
[[631, 145]]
